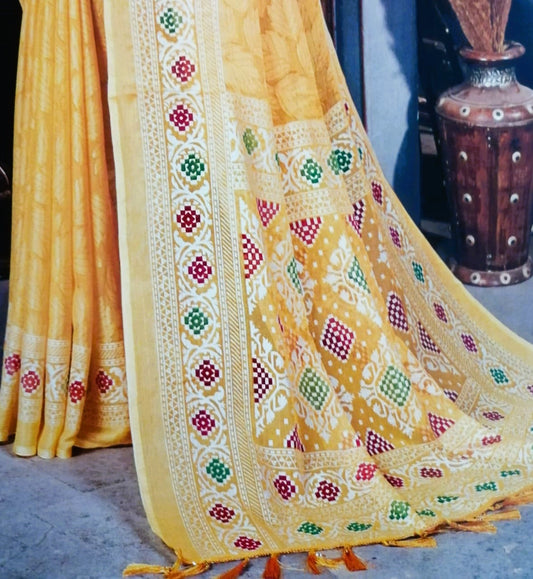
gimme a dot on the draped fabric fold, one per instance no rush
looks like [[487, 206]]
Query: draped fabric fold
[[303, 371], [63, 377]]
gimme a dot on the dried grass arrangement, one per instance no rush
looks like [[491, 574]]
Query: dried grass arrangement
[[483, 22]]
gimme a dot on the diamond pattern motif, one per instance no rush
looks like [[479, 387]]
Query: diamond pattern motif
[[313, 388], [469, 343], [395, 385], [355, 273], [293, 440], [337, 338], [307, 229], [262, 380], [253, 257], [397, 315], [292, 271]]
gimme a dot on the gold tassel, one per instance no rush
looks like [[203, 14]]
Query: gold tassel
[[420, 542], [272, 568], [314, 562], [351, 561], [235, 572], [474, 526], [174, 572], [140, 569], [513, 515]]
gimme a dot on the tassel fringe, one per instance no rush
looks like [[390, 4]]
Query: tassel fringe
[[520, 499], [421, 542], [272, 568], [315, 562], [235, 572], [351, 561]]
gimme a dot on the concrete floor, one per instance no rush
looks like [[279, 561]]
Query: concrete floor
[[83, 517]]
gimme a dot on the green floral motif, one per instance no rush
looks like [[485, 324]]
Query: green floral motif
[[292, 270], [360, 151], [193, 167], [313, 388], [488, 486], [357, 527], [250, 141], [217, 470], [312, 171], [499, 376], [426, 513], [171, 20], [399, 510], [443, 499], [395, 385], [355, 273], [309, 528], [276, 158], [340, 161], [506, 473], [196, 321], [418, 271]]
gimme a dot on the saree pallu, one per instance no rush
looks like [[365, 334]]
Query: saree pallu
[[303, 371]]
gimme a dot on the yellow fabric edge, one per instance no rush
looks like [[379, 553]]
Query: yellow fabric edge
[[146, 421]]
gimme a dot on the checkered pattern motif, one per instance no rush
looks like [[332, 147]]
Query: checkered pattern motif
[[357, 218], [293, 440], [395, 236], [439, 424], [469, 343], [426, 340], [337, 338], [394, 481], [395, 385], [253, 257], [376, 444], [307, 229], [267, 211], [262, 380], [451, 394], [397, 315], [292, 271], [377, 192]]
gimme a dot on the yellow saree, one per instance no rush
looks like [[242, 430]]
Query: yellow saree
[[303, 371]]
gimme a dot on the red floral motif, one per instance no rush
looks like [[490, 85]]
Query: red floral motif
[[440, 312], [207, 373], [376, 444], [30, 381], [469, 343], [103, 381], [397, 315], [338, 338], [395, 481], [377, 192], [203, 422], [307, 229], [366, 471], [12, 364], [491, 439], [76, 391], [267, 211], [188, 218], [327, 491], [395, 236], [252, 255], [183, 69], [221, 513], [430, 472], [357, 218], [200, 269], [285, 487], [530, 388], [493, 415], [247, 544], [181, 117]]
